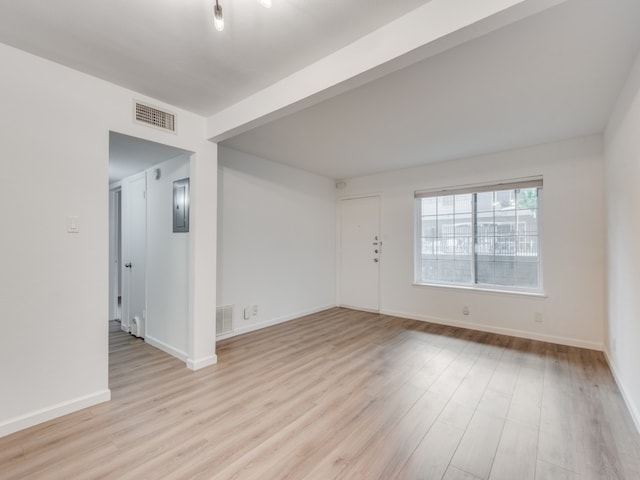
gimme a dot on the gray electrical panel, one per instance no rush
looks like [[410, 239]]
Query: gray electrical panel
[[181, 205]]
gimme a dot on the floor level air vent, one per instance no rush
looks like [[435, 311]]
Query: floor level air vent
[[154, 117], [224, 320]]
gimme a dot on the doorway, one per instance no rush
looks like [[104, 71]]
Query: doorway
[[360, 253], [148, 270]]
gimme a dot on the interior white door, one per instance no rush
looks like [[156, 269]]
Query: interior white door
[[134, 242], [360, 253]]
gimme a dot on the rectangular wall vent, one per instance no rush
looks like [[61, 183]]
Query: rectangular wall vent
[[224, 320], [155, 117]]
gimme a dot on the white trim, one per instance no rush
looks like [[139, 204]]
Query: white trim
[[174, 352], [360, 309], [275, 321], [356, 196], [54, 411], [201, 363], [633, 410], [470, 288], [571, 342]]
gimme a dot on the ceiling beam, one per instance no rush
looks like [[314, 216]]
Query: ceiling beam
[[424, 32]]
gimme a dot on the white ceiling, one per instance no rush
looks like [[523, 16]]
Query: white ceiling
[[169, 49], [550, 76]]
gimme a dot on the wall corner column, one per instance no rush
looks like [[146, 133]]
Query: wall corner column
[[202, 256]]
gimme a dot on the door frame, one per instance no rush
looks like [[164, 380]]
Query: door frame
[[339, 248], [115, 250]]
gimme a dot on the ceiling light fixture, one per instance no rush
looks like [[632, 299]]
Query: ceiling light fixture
[[218, 19]]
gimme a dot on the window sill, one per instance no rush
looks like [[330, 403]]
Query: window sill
[[482, 290]]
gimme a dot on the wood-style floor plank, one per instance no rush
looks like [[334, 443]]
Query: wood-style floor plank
[[343, 394]]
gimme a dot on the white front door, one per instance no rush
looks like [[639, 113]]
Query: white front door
[[360, 253], [134, 242]]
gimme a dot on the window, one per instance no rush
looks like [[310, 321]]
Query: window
[[485, 236]]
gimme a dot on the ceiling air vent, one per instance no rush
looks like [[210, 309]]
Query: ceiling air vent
[[156, 118]]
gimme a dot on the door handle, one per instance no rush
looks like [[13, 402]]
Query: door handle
[[128, 265]]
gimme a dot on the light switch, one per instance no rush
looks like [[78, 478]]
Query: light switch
[[73, 224]]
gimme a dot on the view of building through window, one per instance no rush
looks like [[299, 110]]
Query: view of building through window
[[481, 238]]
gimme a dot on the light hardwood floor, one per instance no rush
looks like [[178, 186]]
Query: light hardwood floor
[[349, 395]]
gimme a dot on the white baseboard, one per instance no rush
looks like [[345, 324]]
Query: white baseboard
[[633, 409], [174, 352], [571, 342], [201, 363], [360, 309], [275, 321], [54, 411], [180, 355]]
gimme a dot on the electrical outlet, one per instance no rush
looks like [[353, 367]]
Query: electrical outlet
[[247, 313], [254, 310], [538, 318], [465, 310]]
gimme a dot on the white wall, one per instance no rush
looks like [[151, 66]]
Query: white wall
[[573, 244], [167, 263], [54, 146], [623, 246], [276, 240]]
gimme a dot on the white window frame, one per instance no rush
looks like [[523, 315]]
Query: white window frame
[[513, 184]]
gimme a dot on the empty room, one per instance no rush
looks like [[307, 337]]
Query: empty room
[[285, 239]]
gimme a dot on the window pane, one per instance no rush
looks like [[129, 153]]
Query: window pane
[[464, 235], [430, 226], [504, 273], [484, 201], [485, 246], [505, 222], [527, 273], [505, 200], [429, 270], [527, 198], [429, 206], [484, 270], [447, 269], [485, 225], [527, 222], [488, 238], [464, 271], [463, 203], [429, 246], [528, 246], [446, 234], [505, 247], [445, 205]]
